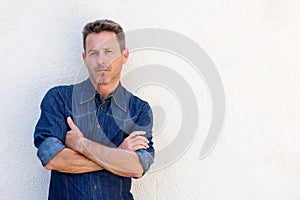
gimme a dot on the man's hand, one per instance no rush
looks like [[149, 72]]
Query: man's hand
[[74, 137], [122, 161], [135, 141]]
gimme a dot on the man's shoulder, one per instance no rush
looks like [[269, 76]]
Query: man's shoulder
[[59, 93], [136, 101], [133, 98], [60, 89], [68, 88]]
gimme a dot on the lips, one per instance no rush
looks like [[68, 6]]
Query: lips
[[102, 69]]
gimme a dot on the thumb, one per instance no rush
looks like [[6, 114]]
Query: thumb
[[71, 123]]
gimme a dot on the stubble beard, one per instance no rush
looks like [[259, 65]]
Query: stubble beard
[[101, 80]]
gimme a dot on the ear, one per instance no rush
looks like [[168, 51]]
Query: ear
[[84, 57], [125, 55]]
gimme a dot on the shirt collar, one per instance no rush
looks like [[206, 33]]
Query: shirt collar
[[88, 91], [118, 96]]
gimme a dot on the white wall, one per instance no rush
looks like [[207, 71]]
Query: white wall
[[255, 47]]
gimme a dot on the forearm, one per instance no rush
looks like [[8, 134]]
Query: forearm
[[118, 161], [69, 161]]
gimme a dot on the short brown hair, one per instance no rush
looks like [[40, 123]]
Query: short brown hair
[[104, 25]]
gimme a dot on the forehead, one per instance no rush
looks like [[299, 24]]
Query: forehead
[[103, 39]]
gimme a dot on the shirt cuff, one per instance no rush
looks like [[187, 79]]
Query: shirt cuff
[[146, 159], [49, 148]]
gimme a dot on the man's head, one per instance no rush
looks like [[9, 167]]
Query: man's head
[[104, 25], [104, 52]]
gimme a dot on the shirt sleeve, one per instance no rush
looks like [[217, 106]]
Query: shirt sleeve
[[49, 148], [51, 128], [145, 123]]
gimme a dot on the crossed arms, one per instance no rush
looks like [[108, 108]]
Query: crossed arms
[[84, 155]]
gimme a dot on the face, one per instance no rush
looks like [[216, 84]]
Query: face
[[104, 58]]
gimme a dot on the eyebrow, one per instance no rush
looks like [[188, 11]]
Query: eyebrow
[[106, 48]]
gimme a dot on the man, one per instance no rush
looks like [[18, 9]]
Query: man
[[95, 135]]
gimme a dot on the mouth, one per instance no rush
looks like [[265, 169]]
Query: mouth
[[102, 69]]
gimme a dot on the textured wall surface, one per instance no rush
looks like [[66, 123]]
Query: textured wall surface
[[255, 46]]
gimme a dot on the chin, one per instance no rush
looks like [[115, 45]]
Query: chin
[[103, 81]]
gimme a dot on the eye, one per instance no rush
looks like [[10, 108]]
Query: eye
[[108, 51], [93, 53]]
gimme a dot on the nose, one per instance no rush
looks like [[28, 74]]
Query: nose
[[101, 60]]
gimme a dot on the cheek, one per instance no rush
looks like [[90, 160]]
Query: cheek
[[117, 67], [116, 64], [89, 64]]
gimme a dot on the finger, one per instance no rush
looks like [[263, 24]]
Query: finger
[[141, 139], [136, 133], [138, 147], [139, 142], [69, 133], [71, 123]]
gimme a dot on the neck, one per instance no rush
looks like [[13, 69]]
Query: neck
[[106, 89]]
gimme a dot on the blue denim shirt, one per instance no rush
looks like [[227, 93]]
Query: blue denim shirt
[[107, 123]]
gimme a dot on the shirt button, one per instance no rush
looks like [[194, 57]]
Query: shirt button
[[98, 125], [95, 186]]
